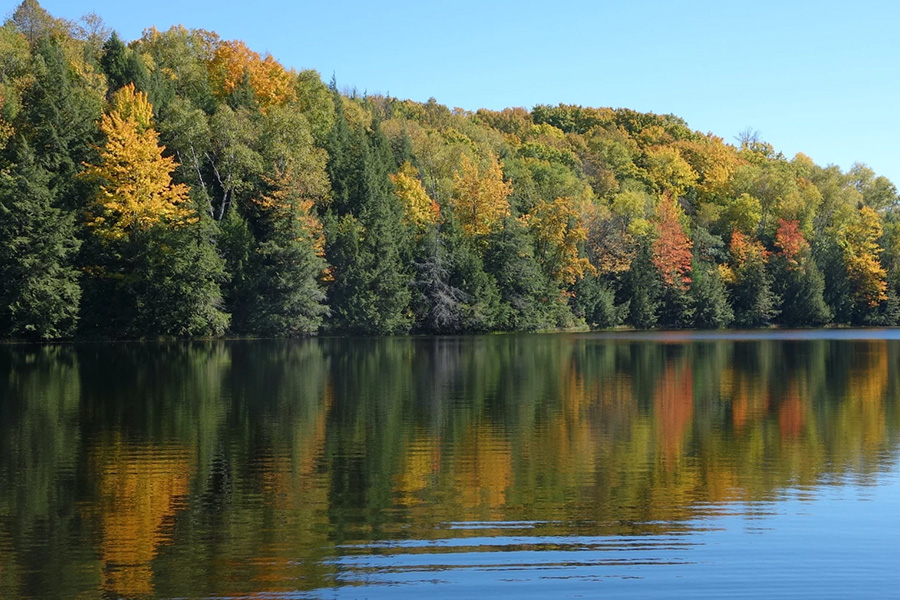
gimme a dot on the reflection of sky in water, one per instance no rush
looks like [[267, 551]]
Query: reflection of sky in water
[[805, 544]]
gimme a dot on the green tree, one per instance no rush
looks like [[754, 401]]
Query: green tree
[[642, 288], [366, 238], [122, 65], [712, 309], [754, 302], [39, 291], [530, 300], [287, 299]]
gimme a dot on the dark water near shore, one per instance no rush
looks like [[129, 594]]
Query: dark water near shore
[[528, 466]]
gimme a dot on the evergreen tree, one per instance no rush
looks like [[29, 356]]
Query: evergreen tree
[[595, 302], [367, 239], [58, 121], [801, 289], [455, 293], [287, 299], [122, 66], [39, 291], [237, 245], [643, 289], [712, 309], [530, 301], [753, 301], [676, 306]]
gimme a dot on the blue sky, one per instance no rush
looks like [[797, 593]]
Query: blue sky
[[817, 77]]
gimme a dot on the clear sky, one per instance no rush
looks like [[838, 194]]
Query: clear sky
[[820, 77]]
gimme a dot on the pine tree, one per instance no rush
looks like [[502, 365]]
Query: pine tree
[[456, 295], [595, 302], [530, 301], [754, 302], [122, 66], [58, 121]]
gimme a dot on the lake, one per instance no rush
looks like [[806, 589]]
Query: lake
[[676, 465]]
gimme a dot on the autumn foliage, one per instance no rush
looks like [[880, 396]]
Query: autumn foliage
[[861, 254], [419, 208], [135, 189], [790, 241], [558, 232], [233, 63], [672, 247], [259, 198], [480, 196]]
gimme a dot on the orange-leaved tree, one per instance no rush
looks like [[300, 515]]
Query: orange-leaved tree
[[233, 64], [672, 247], [790, 241]]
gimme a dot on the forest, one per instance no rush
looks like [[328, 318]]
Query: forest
[[181, 185]]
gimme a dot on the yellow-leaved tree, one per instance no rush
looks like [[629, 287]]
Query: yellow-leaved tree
[[152, 259], [480, 197], [420, 210], [859, 241], [135, 189], [558, 231]]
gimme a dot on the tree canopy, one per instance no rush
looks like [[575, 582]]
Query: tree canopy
[[181, 184]]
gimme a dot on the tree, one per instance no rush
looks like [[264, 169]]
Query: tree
[[135, 190], [709, 297], [234, 65], [595, 302], [57, 120], [39, 291], [797, 279], [530, 300], [669, 172], [643, 288], [155, 270], [365, 236], [754, 302], [558, 233], [421, 211], [480, 196], [122, 65], [35, 22], [671, 248], [859, 241], [287, 299]]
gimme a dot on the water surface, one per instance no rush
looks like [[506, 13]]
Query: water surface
[[528, 466]]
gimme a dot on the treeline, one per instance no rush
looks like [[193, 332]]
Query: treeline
[[185, 185]]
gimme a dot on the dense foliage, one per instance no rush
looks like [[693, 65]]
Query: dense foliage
[[185, 185]]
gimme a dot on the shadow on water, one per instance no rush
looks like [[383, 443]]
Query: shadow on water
[[292, 467]]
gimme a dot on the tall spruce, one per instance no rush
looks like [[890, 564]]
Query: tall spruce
[[365, 232], [39, 291], [59, 120]]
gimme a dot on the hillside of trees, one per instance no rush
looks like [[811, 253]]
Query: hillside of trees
[[183, 185]]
